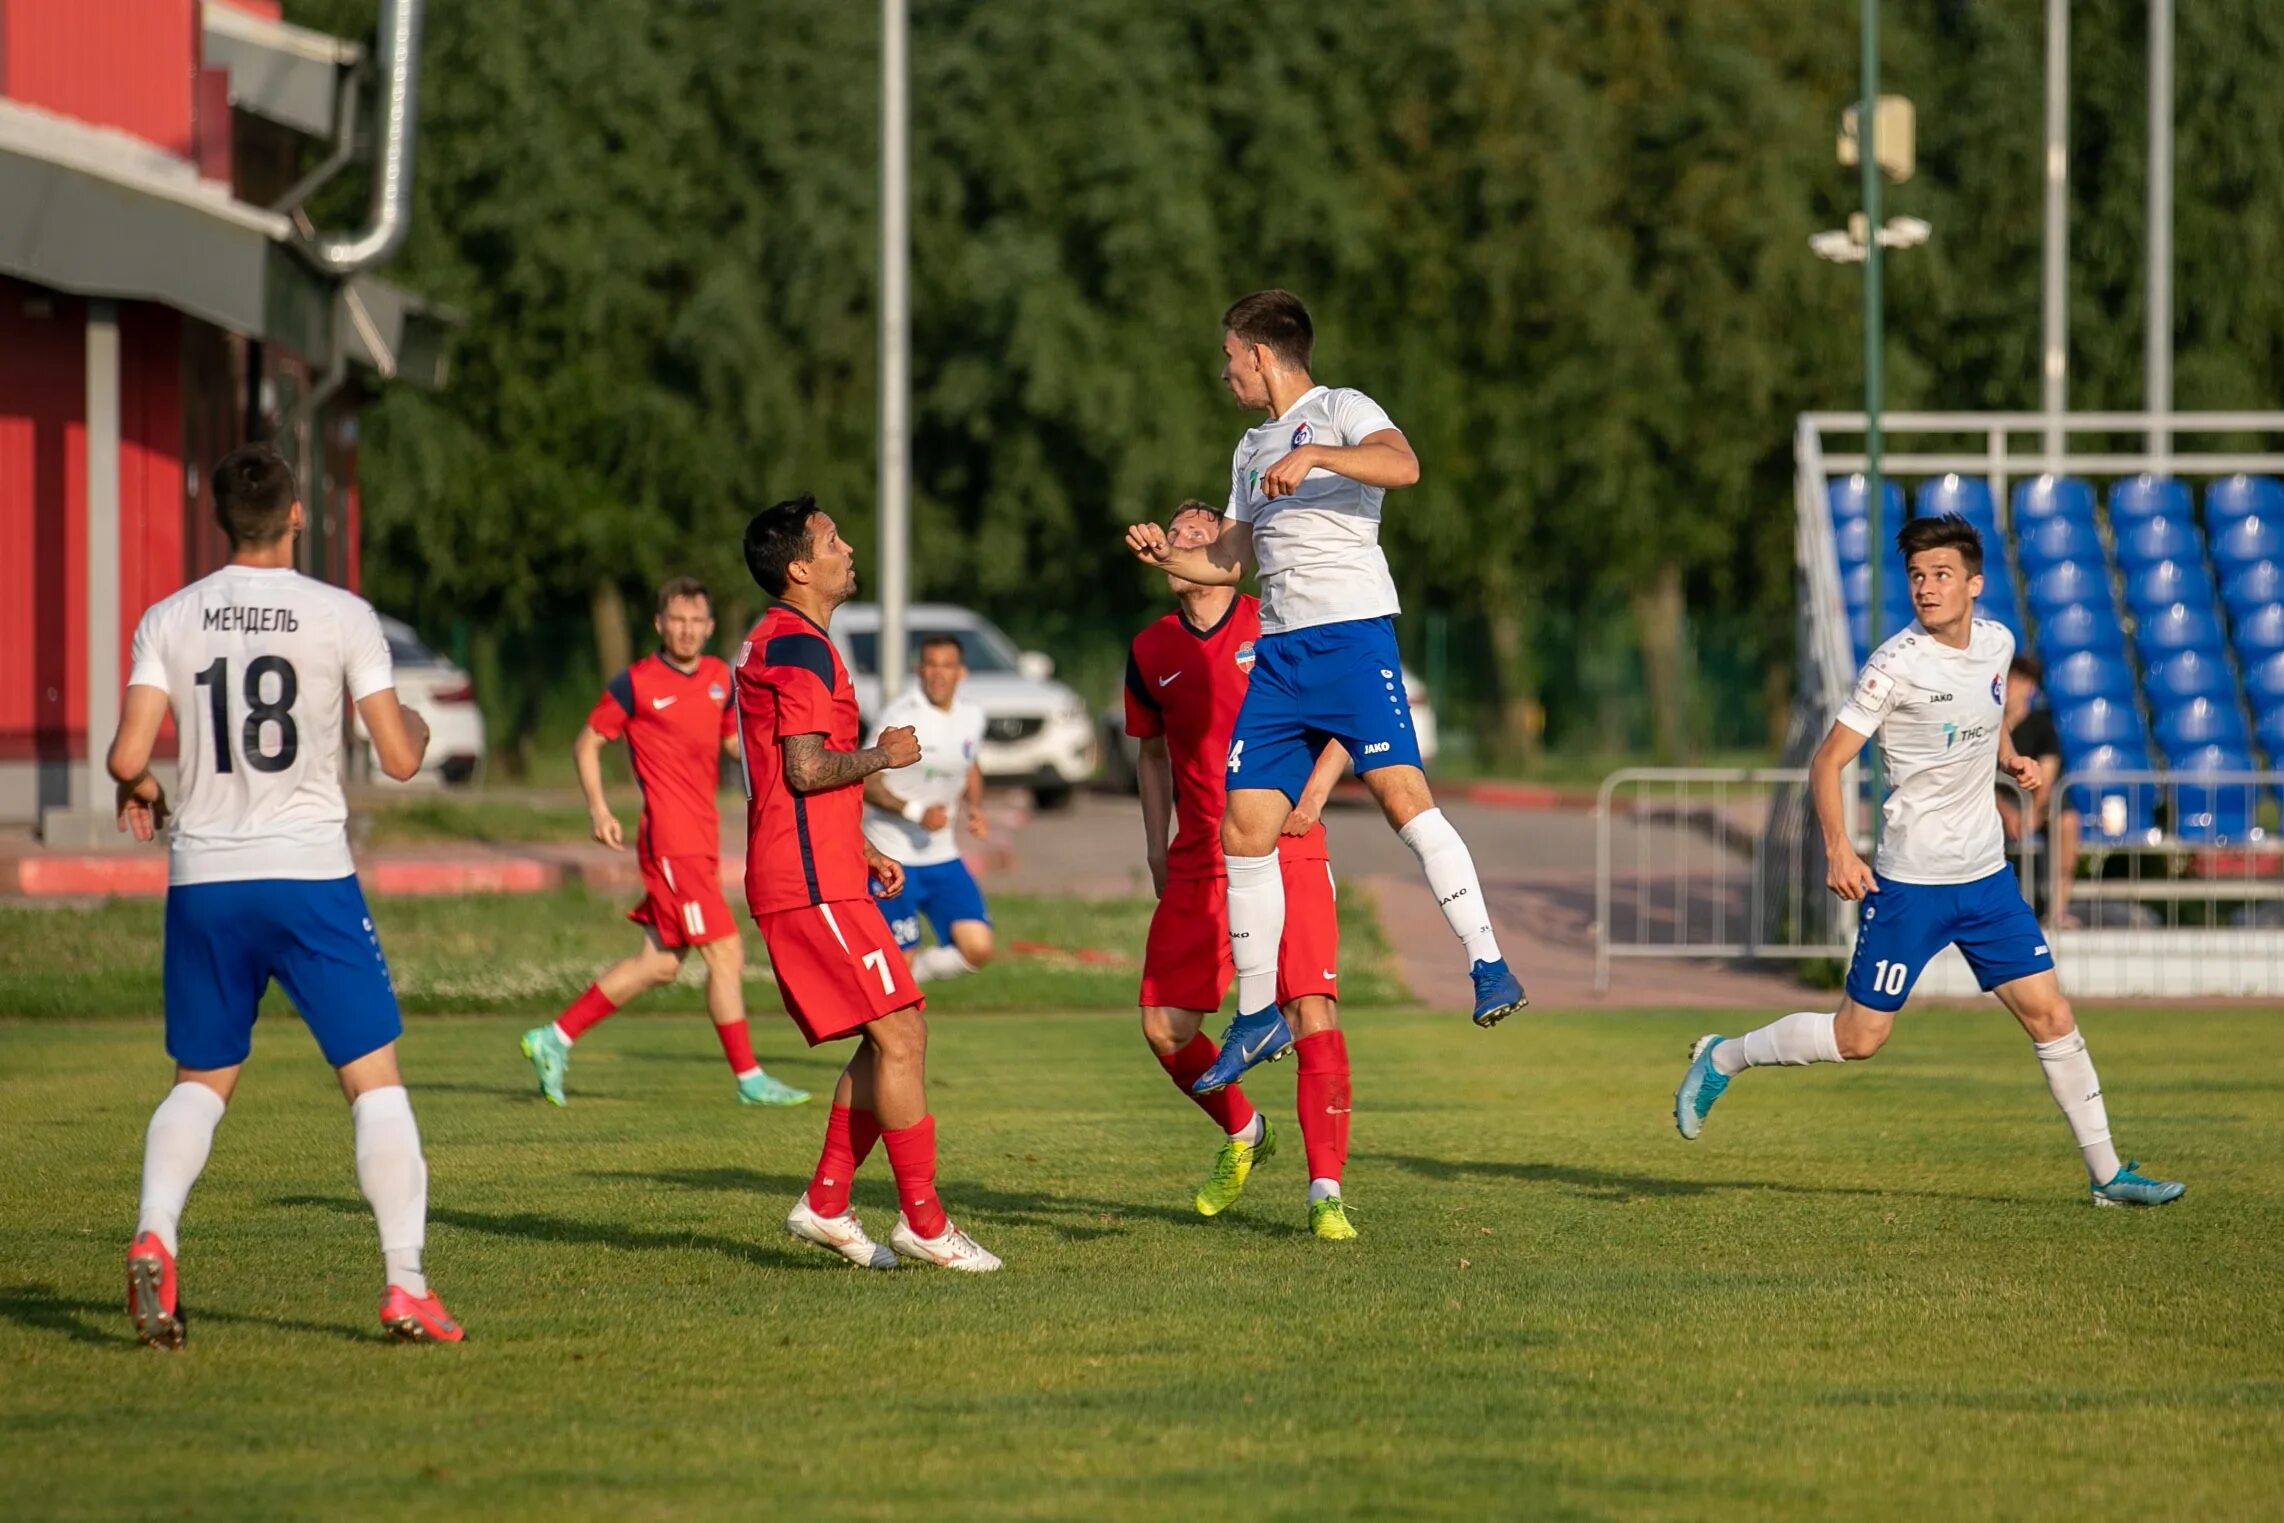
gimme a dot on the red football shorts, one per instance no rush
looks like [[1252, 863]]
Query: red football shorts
[[1185, 963], [837, 966], [682, 901]]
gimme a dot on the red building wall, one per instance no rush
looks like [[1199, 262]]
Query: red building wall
[[149, 53]]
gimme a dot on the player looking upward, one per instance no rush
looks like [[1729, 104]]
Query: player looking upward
[[908, 816], [673, 709], [1935, 695], [1185, 678], [808, 870], [252, 661], [1305, 495]]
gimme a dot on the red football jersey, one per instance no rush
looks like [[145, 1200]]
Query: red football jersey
[[673, 722], [801, 848], [1186, 684]]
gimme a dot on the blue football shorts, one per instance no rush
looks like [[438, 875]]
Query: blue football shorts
[[1905, 924], [226, 941], [1326, 682], [945, 892]]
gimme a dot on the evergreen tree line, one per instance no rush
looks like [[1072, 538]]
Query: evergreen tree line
[[1564, 243]]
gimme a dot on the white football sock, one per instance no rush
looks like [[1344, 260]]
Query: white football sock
[[1322, 1189], [394, 1178], [175, 1146], [1451, 878], [937, 963], [1806, 1036], [1256, 927], [1252, 1132], [561, 1035], [2077, 1090]]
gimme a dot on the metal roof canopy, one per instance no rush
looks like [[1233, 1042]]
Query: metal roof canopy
[[280, 72]]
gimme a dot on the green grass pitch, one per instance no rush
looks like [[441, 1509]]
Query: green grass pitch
[[1875, 1293]]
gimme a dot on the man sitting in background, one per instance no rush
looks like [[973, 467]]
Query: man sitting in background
[[2030, 725]]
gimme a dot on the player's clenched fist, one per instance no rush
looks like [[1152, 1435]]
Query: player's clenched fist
[[1148, 542], [901, 745], [1848, 877], [1285, 477]]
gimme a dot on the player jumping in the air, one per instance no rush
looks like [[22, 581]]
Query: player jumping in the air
[[808, 872], [674, 709], [1935, 695], [908, 816], [1305, 493], [260, 884], [1185, 678]]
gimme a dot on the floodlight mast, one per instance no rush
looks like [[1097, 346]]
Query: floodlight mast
[[895, 356]]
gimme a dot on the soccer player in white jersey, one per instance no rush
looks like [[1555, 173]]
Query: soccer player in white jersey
[[1305, 495], [908, 817], [253, 661], [1935, 695]]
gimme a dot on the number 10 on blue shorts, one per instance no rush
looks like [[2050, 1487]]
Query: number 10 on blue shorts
[[1905, 924]]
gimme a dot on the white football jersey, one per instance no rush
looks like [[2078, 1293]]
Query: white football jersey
[[1938, 713], [253, 661], [1318, 549], [948, 742]]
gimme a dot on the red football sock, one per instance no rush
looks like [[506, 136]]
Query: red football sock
[[864, 1131], [584, 1012], [912, 1156], [1230, 1110], [1321, 1096], [836, 1166], [737, 1045]]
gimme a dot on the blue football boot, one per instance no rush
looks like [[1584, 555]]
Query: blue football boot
[[1498, 993], [2131, 1189], [1262, 1037], [1700, 1087]]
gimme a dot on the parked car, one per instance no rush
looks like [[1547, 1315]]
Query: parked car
[[1121, 752], [1035, 732], [446, 698]]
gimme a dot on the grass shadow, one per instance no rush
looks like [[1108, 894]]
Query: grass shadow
[[1605, 1184], [539, 1227], [44, 1309]]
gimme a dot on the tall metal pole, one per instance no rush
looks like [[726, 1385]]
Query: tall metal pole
[[895, 355], [1867, 133], [2157, 355], [2055, 327]]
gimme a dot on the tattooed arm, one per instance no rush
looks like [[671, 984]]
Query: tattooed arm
[[811, 768]]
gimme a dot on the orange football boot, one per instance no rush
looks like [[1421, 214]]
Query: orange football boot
[[159, 1319], [418, 1319]]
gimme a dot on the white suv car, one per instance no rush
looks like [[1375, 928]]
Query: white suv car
[[1036, 731]]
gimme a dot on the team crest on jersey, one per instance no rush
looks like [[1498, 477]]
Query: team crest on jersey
[[1300, 436], [715, 691], [967, 750], [1998, 688], [1245, 657]]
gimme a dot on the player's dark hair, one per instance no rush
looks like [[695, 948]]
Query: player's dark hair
[[683, 587], [1275, 319], [254, 494], [929, 642], [2027, 666], [1195, 505], [1945, 531], [777, 537]]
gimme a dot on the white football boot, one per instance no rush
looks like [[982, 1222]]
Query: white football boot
[[953, 1249], [844, 1234]]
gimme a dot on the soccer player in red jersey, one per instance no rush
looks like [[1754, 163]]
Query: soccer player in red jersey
[[808, 880], [673, 709], [1185, 680]]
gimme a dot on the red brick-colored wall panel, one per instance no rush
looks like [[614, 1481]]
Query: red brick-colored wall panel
[[43, 496], [130, 64]]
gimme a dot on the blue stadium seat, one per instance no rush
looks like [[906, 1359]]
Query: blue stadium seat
[[2251, 586], [2067, 582], [2093, 722], [2180, 627], [2151, 540], [2044, 497], [2202, 722], [2002, 609], [1852, 539], [2050, 540], [2264, 684], [2116, 812], [1967, 496], [2093, 674], [1848, 499], [2234, 497], [2271, 732], [2220, 812], [2147, 496], [2260, 633], [2080, 626], [2190, 674], [1895, 593], [2241, 541], [2165, 583]]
